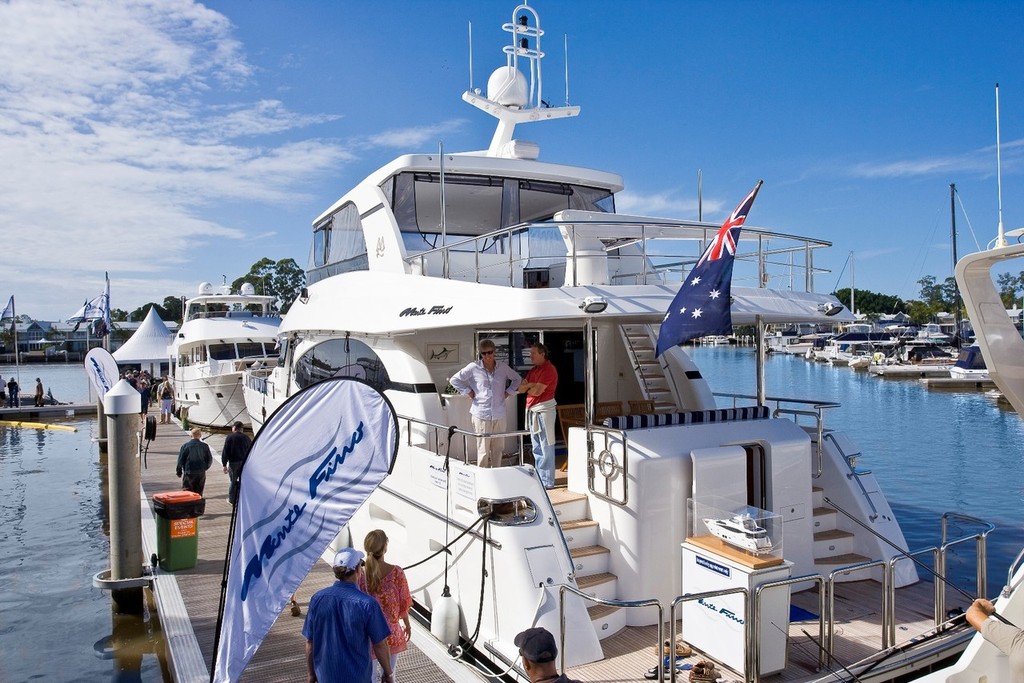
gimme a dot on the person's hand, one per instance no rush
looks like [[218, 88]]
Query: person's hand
[[407, 628], [980, 610], [177, 473], [225, 469], [985, 606]]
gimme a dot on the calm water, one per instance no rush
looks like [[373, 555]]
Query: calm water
[[931, 451], [67, 381]]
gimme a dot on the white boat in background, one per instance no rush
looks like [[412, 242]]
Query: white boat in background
[[434, 252], [223, 335], [970, 364]]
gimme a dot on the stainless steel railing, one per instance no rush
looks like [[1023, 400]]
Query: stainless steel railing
[[650, 602], [816, 411]]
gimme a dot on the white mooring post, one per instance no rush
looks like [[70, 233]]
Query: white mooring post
[[125, 578]]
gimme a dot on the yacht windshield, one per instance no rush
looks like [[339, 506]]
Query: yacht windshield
[[477, 205]]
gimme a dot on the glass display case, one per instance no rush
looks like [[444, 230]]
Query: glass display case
[[736, 526]]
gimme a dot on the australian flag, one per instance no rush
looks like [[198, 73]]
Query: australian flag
[[702, 304]]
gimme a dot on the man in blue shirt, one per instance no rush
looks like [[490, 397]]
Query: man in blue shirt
[[341, 624], [488, 382]]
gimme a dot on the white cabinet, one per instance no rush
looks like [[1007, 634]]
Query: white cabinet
[[718, 625]]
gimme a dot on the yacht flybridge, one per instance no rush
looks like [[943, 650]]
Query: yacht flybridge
[[433, 253]]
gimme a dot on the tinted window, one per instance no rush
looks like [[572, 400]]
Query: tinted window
[[341, 358], [222, 351], [250, 350]]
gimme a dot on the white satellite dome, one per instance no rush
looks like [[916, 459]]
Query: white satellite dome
[[205, 288], [247, 289], [508, 87]]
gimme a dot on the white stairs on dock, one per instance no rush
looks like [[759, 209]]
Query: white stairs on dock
[[589, 558], [833, 547], [641, 344]]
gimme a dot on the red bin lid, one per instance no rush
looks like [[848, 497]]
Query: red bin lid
[[176, 497]]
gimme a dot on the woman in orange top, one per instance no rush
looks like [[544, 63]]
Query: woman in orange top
[[387, 583]]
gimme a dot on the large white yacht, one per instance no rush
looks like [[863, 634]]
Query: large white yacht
[[222, 335], [433, 253]]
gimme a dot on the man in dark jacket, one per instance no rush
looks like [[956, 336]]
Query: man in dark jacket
[[232, 457], [194, 459]]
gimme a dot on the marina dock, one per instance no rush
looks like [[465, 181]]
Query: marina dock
[[32, 412], [187, 600]]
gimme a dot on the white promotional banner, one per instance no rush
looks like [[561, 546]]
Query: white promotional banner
[[101, 368], [314, 463]]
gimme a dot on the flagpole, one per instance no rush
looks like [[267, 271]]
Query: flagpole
[[17, 356]]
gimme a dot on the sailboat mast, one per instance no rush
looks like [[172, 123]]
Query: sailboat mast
[[853, 287], [952, 227], [1001, 238]]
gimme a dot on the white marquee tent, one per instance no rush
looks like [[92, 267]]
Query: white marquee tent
[[148, 346]]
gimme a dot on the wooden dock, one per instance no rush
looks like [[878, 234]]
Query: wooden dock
[[957, 383], [32, 412], [187, 600]]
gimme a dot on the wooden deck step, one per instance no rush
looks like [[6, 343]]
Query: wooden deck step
[[559, 495], [585, 582], [600, 611], [588, 551], [831, 535], [574, 524], [842, 560]]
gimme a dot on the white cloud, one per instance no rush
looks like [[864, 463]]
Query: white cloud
[[666, 204], [113, 154], [980, 162], [407, 138]]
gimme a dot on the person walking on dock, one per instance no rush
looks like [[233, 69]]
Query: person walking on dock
[[39, 393], [232, 457], [341, 622], [194, 459], [387, 583], [166, 400]]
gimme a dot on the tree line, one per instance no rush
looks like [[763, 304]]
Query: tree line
[[933, 297]]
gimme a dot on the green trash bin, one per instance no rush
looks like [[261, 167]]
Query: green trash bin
[[177, 528]]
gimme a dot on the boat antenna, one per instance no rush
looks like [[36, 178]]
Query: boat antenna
[[1001, 238], [956, 296], [565, 50], [916, 561], [444, 222], [471, 56], [700, 194]]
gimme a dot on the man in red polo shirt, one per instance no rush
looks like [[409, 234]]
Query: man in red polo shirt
[[540, 386]]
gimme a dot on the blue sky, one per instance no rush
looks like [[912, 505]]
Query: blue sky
[[171, 142]]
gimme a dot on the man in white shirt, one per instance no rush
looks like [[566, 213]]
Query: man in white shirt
[[488, 382]]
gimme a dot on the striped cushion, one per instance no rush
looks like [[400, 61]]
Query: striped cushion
[[687, 418]]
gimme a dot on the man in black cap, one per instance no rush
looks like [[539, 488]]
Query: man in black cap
[[538, 650]]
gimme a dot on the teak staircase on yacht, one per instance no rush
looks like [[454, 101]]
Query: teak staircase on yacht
[[640, 342], [589, 559], [833, 547]]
